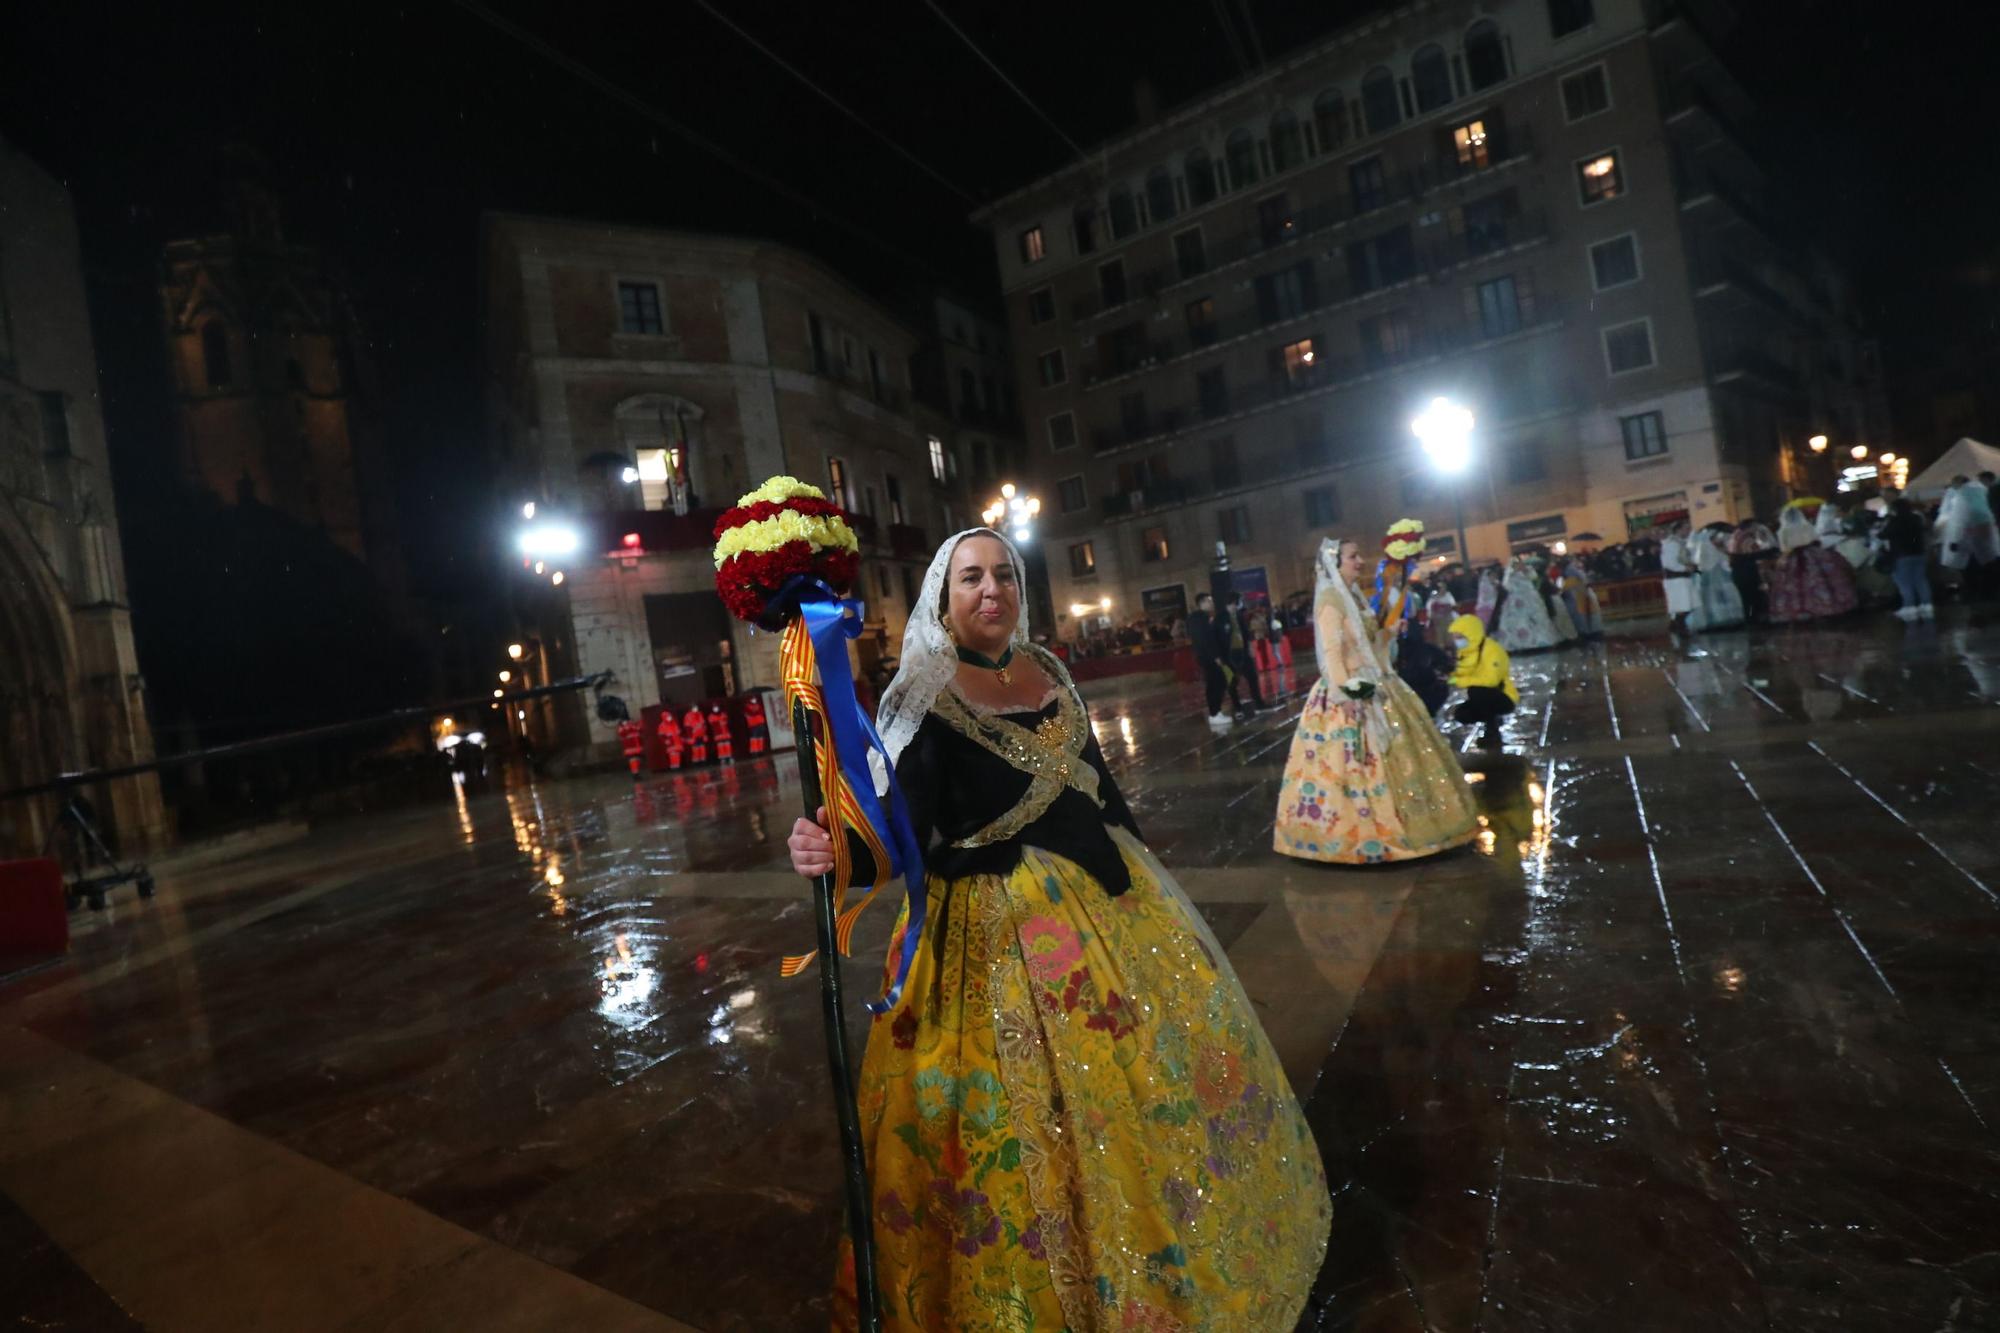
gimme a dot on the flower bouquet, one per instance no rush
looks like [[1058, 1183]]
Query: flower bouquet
[[1405, 539], [1358, 688], [785, 558], [778, 534]]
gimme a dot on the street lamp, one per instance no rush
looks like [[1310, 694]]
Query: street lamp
[[1858, 452], [1445, 431], [1014, 512], [514, 651], [1817, 444]]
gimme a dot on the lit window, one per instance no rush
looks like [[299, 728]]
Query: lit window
[[1300, 360], [1629, 347], [1153, 545], [1470, 141], [937, 460], [837, 483], [1645, 436], [1083, 559], [656, 473], [639, 308], [1041, 305], [1049, 366], [1599, 178], [1062, 431], [1615, 262], [1585, 93], [1033, 248], [1072, 494]]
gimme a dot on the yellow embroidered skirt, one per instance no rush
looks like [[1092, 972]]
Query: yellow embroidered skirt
[[1342, 800], [1074, 1121]]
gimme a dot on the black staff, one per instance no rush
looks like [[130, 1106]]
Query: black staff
[[854, 1159]]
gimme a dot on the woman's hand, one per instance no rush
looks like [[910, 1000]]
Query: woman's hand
[[812, 846]]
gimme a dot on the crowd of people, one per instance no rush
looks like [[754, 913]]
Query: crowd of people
[[1025, 1121]]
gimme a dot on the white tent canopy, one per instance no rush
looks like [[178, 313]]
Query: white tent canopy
[[1967, 458]]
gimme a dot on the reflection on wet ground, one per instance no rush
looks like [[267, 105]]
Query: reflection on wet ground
[[1697, 1035]]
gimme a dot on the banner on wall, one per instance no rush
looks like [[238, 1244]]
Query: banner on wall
[[1655, 511], [1251, 584]]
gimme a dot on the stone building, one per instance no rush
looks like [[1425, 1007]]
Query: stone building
[[270, 378], [1548, 210], [964, 388], [637, 381], [71, 695]]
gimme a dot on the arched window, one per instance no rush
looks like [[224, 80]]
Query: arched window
[[1485, 57], [1329, 119], [1431, 77], [1160, 195], [1124, 213], [1379, 108], [215, 353], [1200, 177], [1288, 145], [1242, 151]]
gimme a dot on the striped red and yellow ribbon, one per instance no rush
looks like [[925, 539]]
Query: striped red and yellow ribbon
[[799, 669]]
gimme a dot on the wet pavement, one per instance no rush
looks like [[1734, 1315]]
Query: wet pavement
[[1699, 1036]]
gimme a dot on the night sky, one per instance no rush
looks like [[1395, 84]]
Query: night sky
[[391, 128]]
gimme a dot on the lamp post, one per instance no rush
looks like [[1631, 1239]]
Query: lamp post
[[1014, 512], [1444, 429]]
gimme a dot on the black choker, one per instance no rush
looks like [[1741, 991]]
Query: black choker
[[999, 668]]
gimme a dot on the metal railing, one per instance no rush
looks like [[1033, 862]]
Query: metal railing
[[1327, 371]]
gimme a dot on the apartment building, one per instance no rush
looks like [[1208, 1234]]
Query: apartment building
[[1545, 210]]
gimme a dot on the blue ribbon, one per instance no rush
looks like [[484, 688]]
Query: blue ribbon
[[830, 624]]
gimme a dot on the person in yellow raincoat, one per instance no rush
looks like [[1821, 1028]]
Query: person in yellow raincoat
[[1485, 673]]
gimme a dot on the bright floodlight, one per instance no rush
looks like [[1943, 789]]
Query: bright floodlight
[[1007, 490], [546, 539], [1020, 534], [1104, 602], [1445, 430], [528, 509]]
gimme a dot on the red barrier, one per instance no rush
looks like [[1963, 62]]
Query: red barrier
[[1639, 598], [34, 918]]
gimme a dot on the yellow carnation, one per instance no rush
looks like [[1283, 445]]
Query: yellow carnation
[[780, 489], [768, 534]]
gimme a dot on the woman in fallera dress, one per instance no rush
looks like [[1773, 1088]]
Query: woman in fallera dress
[[1073, 1119], [1369, 777]]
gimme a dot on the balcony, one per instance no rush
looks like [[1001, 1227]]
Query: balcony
[[1748, 367], [1694, 113], [908, 542], [657, 530], [1327, 373], [1725, 281], [1507, 146], [1480, 243]]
